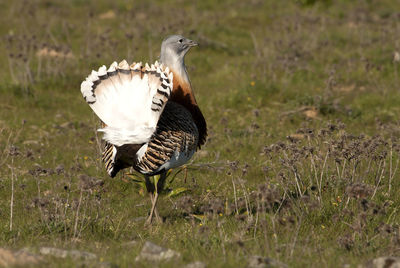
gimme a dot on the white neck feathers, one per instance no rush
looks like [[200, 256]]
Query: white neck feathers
[[176, 63]]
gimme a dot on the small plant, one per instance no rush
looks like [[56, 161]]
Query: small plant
[[168, 191]]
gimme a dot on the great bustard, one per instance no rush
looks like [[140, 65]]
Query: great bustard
[[150, 117]]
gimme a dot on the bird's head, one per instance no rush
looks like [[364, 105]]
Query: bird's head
[[174, 49]]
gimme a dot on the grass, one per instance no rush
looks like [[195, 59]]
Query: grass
[[301, 99]]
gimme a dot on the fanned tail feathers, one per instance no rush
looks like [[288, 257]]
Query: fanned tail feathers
[[128, 99]]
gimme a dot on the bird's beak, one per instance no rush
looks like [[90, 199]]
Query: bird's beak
[[191, 43]]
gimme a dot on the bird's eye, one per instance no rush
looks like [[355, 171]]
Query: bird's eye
[[180, 40]]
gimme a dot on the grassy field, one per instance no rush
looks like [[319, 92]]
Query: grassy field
[[302, 103]]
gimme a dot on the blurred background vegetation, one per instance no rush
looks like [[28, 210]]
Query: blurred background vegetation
[[301, 99]]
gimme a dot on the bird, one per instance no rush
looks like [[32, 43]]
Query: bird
[[149, 115]]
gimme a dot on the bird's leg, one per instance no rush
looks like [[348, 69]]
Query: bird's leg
[[185, 174], [149, 185], [151, 197], [150, 190], [158, 186], [158, 218], [153, 209]]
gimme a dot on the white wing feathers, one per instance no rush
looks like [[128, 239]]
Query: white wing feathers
[[128, 99]]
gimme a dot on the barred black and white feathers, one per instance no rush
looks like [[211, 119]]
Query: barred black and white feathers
[[151, 120], [128, 99], [173, 144]]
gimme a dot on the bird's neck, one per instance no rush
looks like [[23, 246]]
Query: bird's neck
[[182, 93], [177, 65], [181, 82]]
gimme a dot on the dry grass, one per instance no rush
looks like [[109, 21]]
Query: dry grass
[[302, 160]]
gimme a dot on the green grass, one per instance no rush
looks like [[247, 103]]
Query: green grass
[[264, 71]]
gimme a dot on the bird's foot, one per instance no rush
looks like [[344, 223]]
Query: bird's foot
[[155, 218]]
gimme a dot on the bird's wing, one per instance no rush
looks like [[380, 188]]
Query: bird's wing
[[128, 99]]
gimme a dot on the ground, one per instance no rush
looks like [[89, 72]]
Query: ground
[[301, 162]]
